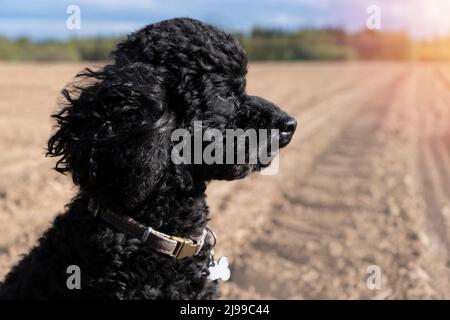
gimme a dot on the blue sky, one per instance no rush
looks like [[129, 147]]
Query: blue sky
[[44, 19]]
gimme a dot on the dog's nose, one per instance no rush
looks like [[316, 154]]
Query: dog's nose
[[287, 128]]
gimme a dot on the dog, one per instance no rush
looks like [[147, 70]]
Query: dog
[[136, 228]]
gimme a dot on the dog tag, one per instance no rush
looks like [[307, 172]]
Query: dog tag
[[219, 269]]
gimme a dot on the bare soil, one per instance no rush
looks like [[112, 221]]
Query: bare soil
[[365, 181]]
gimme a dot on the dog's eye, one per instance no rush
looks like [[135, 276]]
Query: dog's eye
[[225, 104], [230, 98]]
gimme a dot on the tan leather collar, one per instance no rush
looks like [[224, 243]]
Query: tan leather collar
[[173, 246]]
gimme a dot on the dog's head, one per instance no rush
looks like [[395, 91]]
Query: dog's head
[[116, 131]]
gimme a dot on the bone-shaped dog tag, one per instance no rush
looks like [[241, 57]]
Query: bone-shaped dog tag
[[219, 270]]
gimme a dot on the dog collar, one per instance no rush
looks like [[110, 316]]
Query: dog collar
[[177, 247]]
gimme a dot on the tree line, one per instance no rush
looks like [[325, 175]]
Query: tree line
[[260, 44]]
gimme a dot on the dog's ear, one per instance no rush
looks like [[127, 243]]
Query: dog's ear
[[113, 133]]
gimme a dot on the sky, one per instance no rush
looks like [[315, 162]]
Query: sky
[[46, 19]]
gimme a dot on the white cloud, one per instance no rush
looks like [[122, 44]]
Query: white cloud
[[286, 21], [308, 3], [120, 4]]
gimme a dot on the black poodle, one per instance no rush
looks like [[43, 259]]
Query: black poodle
[[136, 228]]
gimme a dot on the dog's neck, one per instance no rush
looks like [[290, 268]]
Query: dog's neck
[[170, 209], [174, 212]]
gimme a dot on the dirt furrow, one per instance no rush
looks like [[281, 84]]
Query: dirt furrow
[[277, 245], [429, 192]]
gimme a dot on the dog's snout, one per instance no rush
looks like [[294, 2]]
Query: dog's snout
[[287, 128]]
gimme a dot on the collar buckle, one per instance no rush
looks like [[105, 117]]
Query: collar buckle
[[185, 248]]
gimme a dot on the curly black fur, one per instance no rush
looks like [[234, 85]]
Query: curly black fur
[[114, 137]]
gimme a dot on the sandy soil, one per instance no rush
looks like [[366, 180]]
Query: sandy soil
[[365, 181]]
